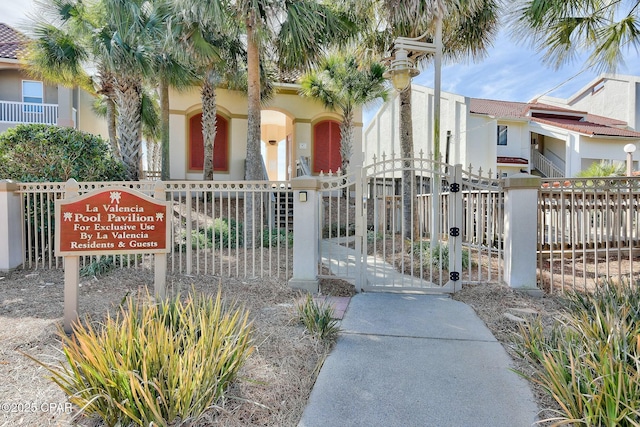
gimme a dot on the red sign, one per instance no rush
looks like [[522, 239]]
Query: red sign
[[112, 220]]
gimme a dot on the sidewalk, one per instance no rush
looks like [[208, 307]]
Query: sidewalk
[[417, 360]]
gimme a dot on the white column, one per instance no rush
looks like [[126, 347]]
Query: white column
[[71, 271], [65, 107], [521, 231], [305, 234], [11, 226]]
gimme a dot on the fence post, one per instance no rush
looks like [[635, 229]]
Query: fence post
[[521, 231], [11, 226], [305, 234]]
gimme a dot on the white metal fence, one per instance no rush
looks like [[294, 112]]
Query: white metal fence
[[588, 228], [406, 243], [211, 227], [588, 232]]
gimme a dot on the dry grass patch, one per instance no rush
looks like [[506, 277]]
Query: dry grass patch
[[272, 387]]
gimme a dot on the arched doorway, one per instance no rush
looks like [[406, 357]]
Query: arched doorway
[[276, 144]]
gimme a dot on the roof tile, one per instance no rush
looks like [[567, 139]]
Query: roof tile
[[10, 42], [587, 128], [590, 124]]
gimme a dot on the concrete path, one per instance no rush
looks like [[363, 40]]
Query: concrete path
[[417, 360], [341, 260]]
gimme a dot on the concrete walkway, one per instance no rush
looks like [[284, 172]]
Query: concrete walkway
[[341, 260], [417, 360]]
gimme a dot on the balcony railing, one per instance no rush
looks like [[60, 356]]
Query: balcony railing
[[28, 112]]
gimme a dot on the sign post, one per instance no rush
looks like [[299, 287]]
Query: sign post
[[109, 221]]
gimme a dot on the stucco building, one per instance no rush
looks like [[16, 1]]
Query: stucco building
[[548, 136]]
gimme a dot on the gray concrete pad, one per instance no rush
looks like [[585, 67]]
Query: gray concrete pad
[[417, 360]]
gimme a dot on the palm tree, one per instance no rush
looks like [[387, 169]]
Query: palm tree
[[126, 43], [58, 52], [603, 168], [172, 68], [561, 29], [468, 27], [294, 34], [119, 38], [342, 84], [216, 51]]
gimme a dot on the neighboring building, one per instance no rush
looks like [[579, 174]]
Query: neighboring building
[[609, 95], [508, 137], [24, 99], [293, 128]]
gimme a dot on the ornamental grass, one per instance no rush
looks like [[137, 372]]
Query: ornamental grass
[[318, 319], [590, 361], [155, 363]]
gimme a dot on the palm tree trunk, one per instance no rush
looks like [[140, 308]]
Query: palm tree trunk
[[346, 140], [129, 99], [164, 131], [408, 174], [209, 111], [111, 127], [253, 167], [107, 90]]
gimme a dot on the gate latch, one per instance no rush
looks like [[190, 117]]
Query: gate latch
[[454, 276], [454, 187], [454, 232]]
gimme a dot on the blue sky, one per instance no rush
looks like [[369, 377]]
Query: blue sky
[[510, 72], [513, 72]]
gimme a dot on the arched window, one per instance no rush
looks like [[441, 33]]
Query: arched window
[[326, 146], [220, 145]]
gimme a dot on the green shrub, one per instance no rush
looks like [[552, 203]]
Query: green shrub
[[277, 237], [374, 236], [318, 319], [223, 232], [334, 230], [38, 153], [154, 364], [434, 255], [590, 362], [100, 265]]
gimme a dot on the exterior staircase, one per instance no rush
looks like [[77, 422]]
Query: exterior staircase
[[544, 166]]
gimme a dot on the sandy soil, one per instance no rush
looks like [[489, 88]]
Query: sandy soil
[[275, 383]]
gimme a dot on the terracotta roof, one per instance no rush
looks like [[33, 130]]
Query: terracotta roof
[[510, 109], [578, 121], [587, 128], [512, 160], [503, 109], [10, 41], [607, 121]]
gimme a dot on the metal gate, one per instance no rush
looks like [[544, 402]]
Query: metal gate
[[394, 225]]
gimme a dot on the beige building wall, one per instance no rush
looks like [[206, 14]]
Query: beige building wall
[[11, 87], [86, 119], [286, 117]]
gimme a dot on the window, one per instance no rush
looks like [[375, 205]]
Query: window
[[220, 144], [32, 92], [326, 147], [502, 135]]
